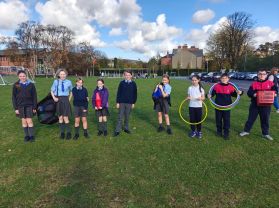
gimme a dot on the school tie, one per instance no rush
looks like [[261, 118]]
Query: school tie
[[63, 89]]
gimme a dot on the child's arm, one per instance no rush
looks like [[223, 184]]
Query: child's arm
[[53, 88], [14, 100], [34, 93], [251, 93], [163, 92], [94, 100]]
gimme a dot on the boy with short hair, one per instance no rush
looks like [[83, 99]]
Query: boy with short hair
[[125, 102], [262, 84], [224, 92]]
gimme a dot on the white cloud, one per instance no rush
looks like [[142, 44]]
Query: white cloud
[[67, 13], [12, 13], [203, 16], [116, 31], [265, 34]]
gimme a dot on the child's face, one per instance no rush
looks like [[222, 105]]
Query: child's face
[[100, 84], [262, 75], [195, 81], [127, 76], [79, 83], [62, 75], [22, 77], [225, 80], [165, 80]]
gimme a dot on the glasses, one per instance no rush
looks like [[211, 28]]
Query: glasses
[[262, 73]]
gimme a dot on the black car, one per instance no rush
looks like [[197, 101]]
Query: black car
[[216, 76]]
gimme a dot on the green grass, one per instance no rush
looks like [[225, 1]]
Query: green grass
[[146, 169]]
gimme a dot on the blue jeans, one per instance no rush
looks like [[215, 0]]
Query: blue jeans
[[276, 104]]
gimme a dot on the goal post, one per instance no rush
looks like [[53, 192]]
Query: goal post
[[8, 74]]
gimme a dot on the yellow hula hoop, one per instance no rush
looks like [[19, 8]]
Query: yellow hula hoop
[[179, 111]]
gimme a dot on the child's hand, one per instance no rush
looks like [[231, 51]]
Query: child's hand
[[101, 108], [188, 98], [55, 99], [34, 111], [199, 98], [84, 110], [239, 92], [96, 108], [133, 106], [117, 105], [255, 94], [209, 95], [17, 112]]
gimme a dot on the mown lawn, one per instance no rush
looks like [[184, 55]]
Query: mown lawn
[[146, 169]]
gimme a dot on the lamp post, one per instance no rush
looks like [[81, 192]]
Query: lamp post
[[206, 64]]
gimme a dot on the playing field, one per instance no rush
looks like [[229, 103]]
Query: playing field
[[144, 169]]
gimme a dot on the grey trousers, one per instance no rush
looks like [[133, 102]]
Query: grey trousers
[[124, 111]]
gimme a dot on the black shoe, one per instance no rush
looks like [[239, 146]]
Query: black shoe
[[32, 139], [76, 137], [105, 133], [169, 131], [127, 131], [160, 129], [86, 135], [218, 134], [26, 139], [62, 136], [116, 134], [99, 133], [68, 136]]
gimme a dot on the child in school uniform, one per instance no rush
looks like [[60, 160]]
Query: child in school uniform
[[224, 92], [125, 102], [24, 98], [61, 92], [163, 104], [80, 101], [100, 104], [262, 84], [195, 95]]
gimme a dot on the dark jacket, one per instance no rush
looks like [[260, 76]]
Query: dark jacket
[[127, 92], [224, 93], [259, 85], [24, 95], [80, 97], [104, 94]]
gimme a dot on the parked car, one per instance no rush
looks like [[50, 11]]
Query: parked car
[[192, 74], [231, 75], [251, 76], [216, 76], [207, 77], [240, 75]]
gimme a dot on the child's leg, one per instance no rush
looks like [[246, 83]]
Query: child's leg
[[61, 124], [30, 127], [104, 119], [276, 104], [264, 117], [25, 127], [198, 114], [120, 117], [160, 118], [84, 124], [192, 118], [227, 123], [77, 121], [67, 125], [218, 118], [253, 114], [100, 124], [128, 108]]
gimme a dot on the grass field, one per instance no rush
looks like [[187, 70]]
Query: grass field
[[146, 169]]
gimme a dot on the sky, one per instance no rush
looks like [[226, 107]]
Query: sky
[[140, 29]]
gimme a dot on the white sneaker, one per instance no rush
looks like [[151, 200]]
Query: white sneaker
[[268, 137], [277, 111], [244, 133]]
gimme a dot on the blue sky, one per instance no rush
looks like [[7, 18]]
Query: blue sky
[[141, 29]]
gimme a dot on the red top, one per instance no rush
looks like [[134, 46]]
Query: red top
[[98, 103]]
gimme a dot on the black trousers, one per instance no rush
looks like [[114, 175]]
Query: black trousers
[[195, 117], [254, 111], [223, 121]]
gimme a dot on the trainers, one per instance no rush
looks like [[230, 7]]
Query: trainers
[[192, 134], [32, 139], [99, 133], [86, 135], [116, 134], [160, 129], [26, 139], [268, 137], [62, 136], [105, 133], [76, 137], [244, 133], [169, 131], [199, 135], [68, 136]]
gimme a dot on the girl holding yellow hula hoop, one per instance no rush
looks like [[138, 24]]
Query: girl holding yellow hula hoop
[[196, 95]]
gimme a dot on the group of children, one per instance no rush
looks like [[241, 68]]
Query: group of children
[[24, 99]]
